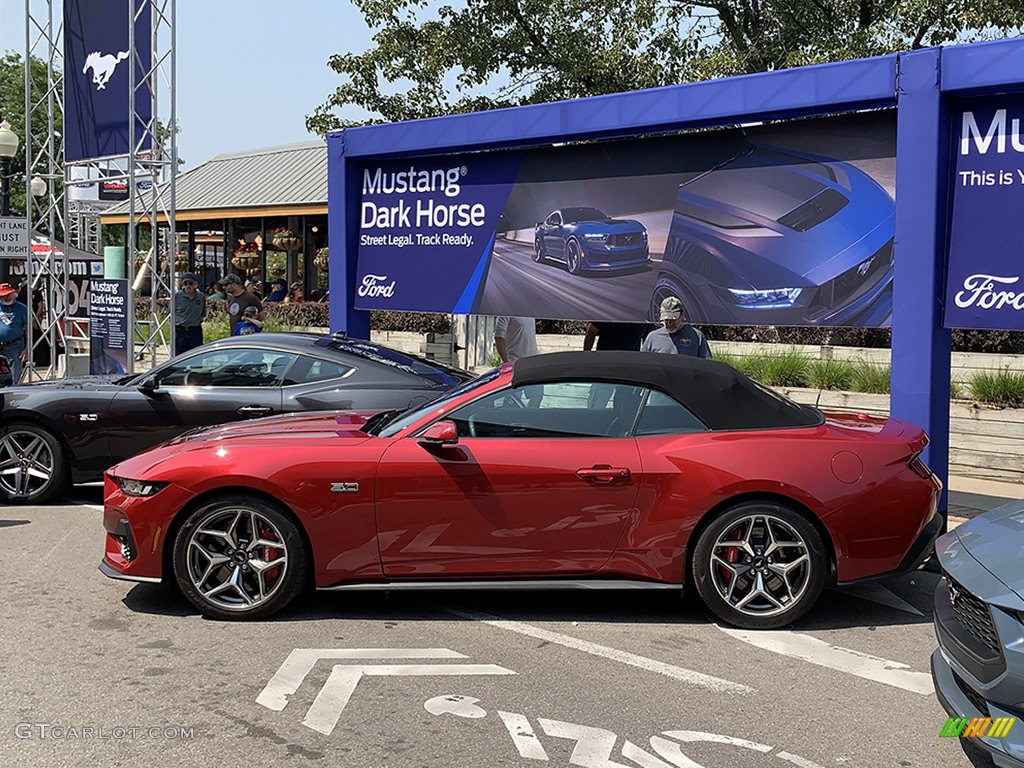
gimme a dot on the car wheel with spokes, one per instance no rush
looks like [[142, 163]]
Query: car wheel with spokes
[[538, 250], [33, 468], [759, 565], [573, 257], [240, 557], [668, 285]]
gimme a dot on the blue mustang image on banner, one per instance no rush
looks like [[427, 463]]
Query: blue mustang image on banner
[[586, 240], [97, 119], [762, 226]]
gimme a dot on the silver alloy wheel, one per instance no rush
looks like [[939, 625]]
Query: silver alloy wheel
[[26, 463], [760, 565], [236, 559], [572, 256], [538, 251]]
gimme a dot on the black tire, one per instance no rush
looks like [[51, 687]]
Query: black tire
[[26, 452], [791, 577], [538, 250], [239, 574], [573, 257], [668, 284]]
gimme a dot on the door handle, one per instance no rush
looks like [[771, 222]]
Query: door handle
[[603, 474], [255, 410]]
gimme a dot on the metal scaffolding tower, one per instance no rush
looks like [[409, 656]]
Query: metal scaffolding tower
[[148, 170]]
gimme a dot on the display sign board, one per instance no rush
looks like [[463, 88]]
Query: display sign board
[[97, 83], [108, 327], [13, 237], [784, 224], [985, 271], [82, 268]]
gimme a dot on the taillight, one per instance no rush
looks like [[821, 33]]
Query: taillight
[[920, 468]]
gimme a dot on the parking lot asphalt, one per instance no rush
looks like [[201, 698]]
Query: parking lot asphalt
[[107, 673]]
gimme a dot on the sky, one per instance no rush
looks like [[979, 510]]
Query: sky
[[249, 71]]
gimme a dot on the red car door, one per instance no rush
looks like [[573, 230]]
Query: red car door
[[529, 490]]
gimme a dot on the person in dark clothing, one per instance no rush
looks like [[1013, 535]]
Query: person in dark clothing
[[621, 336], [189, 311]]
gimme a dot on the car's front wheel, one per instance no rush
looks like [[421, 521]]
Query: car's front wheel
[[669, 285], [240, 557], [573, 257], [33, 467], [538, 249], [759, 565]]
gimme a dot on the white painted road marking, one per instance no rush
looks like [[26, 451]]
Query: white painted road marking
[[330, 702], [814, 651], [460, 706], [323, 716], [523, 736], [710, 682]]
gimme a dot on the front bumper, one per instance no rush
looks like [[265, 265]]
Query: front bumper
[[1006, 752], [614, 258]]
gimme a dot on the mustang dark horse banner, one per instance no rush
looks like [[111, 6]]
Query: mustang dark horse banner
[[782, 224]]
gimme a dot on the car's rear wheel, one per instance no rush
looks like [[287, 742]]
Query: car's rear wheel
[[759, 565], [240, 557], [33, 467], [573, 257], [669, 285]]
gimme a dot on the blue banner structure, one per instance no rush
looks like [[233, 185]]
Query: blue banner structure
[[108, 327], [787, 224], [984, 287], [97, 111]]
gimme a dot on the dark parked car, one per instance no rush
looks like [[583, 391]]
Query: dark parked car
[[775, 237], [587, 240], [979, 620], [58, 432]]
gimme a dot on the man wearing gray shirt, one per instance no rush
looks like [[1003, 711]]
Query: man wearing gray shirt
[[189, 311], [676, 337], [515, 337]]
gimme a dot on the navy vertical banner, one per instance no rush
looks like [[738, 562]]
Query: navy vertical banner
[[108, 327], [97, 116]]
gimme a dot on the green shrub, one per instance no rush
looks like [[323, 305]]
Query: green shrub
[[868, 377], [830, 374], [786, 369], [1005, 387]]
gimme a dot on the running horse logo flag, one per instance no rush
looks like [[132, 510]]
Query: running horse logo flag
[[102, 66], [98, 119]]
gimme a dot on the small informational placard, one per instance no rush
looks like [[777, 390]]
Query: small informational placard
[[13, 237], [108, 329]]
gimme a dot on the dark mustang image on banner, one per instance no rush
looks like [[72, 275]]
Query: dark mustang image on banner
[[785, 224]]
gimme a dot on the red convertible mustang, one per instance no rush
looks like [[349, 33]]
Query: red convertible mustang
[[607, 470]]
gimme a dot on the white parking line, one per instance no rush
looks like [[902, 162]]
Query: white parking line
[[710, 682], [814, 651]]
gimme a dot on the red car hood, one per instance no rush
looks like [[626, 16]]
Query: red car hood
[[311, 425]]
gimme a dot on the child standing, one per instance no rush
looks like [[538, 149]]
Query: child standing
[[249, 324]]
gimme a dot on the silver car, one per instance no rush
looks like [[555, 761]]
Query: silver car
[[979, 620]]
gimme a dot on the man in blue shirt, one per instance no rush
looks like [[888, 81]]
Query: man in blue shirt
[[13, 329], [676, 337]]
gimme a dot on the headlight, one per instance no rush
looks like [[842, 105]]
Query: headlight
[[767, 299], [595, 238], [139, 487], [645, 235]]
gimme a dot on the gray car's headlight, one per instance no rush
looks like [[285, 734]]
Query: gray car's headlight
[[139, 487], [771, 298]]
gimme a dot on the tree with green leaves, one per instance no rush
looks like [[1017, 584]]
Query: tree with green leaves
[[12, 109], [486, 54]]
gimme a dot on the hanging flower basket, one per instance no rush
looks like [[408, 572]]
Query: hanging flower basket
[[285, 240], [247, 257], [321, 260]]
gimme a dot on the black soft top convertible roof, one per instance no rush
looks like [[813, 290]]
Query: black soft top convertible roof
[[716, 393]]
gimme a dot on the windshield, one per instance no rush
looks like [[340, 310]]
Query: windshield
[[582, 214], [392, 426]]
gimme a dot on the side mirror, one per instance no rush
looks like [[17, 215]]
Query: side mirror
[[149, 385], [440, 433]]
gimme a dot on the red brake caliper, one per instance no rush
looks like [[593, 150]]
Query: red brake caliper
[[731, 555], [267, 553]]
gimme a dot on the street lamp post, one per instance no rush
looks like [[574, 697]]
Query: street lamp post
[[8, 148]]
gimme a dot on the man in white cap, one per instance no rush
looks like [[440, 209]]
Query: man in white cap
[[676, 336], [13, 329], [189, 311]]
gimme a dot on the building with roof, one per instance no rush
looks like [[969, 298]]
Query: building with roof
[[228, 208]]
